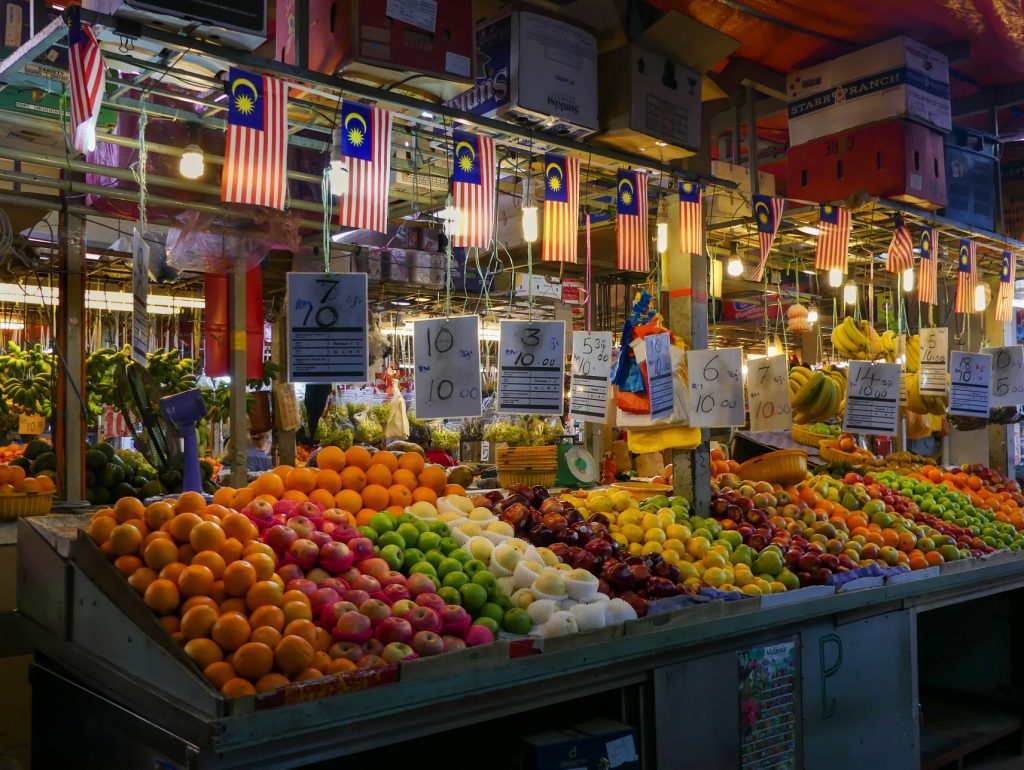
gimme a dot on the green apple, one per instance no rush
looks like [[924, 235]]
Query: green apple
[[474, 596], [406, 518], [447, 565], [450, 594], [382, 522], [393, 555], [517, 621], [423, 566], [370, 533], [413, 555], [420, 524], [429, 541], [461, 554], [455, 579], [493, 611], [502, 601], [485, 579], [409, 534], [473, 566], [448, 545], [434, 557], [491, 623], [439, 527], [392, 538]]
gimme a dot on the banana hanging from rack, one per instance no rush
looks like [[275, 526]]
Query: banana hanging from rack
[[913, 353]]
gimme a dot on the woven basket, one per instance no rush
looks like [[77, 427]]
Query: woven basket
[[787, 466], [19, 504], [802, 435], [830, 453], [532, 466], [531, 478]]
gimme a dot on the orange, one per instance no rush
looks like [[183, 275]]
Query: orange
[[157, 514], [252, 548], [269, 682], [411, 461], [294, 596], [231, 630], [217, 594], [330, 458], [140, 525], [399, 495], [388, 459], [455, 489], [268, 484], [348, 500], [171, 624], [217, 510], [296, 495], [329, 480], [266, 635], [378, 474], [376, 497], [307, 675], [277, 580], [294, 610], [212, 560], [263, 592], [46, 484], [195, 580], [173, 571], [17, 474], [353, 478], [129, 508], [322, 497], [5, 474], [199, 601], [434, 478], [198, 621], [181, 525], [301, 479], [424, 494], [100, 526], [203, 651], [158, 535], [206, 536], [358, 456], [264, 565], [302, 627], [339, 666], [395, 510], [162, 596], [268, 615], [934, 558], [186, 553], [234, 604], [242, 498], [404, 477], [231, 550], [105, 548], [190, 502], [125, 539], [223, 496], [236, 525], [283, 471], [364, 516], [141, 578], [239, 577], [293, 654], [218, 673], [253, 659], [234, 688], [323, 641], [126, 565], [321, 660]]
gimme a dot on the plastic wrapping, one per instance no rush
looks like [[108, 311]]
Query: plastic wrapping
[[205, 244]]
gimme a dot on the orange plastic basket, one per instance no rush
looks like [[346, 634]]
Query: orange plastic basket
[[787, 466], [19, 504]]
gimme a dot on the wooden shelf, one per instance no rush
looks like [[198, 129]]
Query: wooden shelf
[[955, 726]]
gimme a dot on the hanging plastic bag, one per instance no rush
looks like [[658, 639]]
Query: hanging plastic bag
[[397, 428]]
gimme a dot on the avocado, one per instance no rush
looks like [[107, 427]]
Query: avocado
[[129, 472], [95, 459], [123, 490], [101, 496], [140, 481], [90, 478], [22, 462], [44, 462], [111, 475], [106, 449], [461, 475], [152, 489], [36, 447], [405, 446]]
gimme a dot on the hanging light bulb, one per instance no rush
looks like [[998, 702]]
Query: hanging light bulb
[[449, 218], [812, 316], [735, 266], [530, 228], [769, 347], [908, 279], [662, 237], [192, 164], [850, 293], [980, 297], [336, 175], [835, 278]]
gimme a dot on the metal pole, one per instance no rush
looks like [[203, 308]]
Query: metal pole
[[70, 422], [279, 354], [238, 417], [752, 138]]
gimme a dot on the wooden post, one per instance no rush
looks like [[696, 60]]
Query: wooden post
[[70, 333]]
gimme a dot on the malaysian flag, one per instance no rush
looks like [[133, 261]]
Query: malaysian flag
[[966, 277], [366, 142], [255, 156], [901, 249], [561, 208], [767, 215], [928, 279], [1004, 300], [473, 190], [88, 82], [631, 222], [833, 238], [691, 219]]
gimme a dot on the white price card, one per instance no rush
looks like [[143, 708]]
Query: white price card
[[591, 370], [531, 366], [872, 398], [768, 390], [659, 374], [901, 357], [969, 378], [934, 363], [327, 328], [446, 367], [716, 388], [1007, 387]]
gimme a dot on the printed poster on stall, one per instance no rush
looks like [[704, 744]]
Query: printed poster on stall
[[767, 698]]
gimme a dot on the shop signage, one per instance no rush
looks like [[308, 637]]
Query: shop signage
[[716, 387], [970, 375], [768, 390], [872, 398]]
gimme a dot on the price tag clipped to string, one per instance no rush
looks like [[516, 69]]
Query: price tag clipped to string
[[716, 388], [1007, 376], [934, 362], [659, 374], [969, 378], [446, 361], [591, 370], [327, 328], [872, 398], [768, 389], [531, 367]]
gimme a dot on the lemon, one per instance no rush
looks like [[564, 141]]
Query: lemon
[[635, 549], [762, 584], [677, 531], [629, 517], [671, 544], [698, 546], [716, 577], [600, 503], [654, 536], [622, 500], [650, 521], [742, 579], [619, 538], [633, 533], [713, 559], [671, 556], [687, 571], [692, 581], [777, 587], [666, 518], [649, 548], [751, 590]]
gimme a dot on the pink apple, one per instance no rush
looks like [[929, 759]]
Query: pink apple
[[402, 607], [394, 592], [477, 635], [375, 610], [371, 661], [335, 557], [374, 566], [455, 621], [373, 646], [304, 553], [337, 584], [452, 643], [349, 650], [321, 538], [259, 510], [397, 651], [362, 547], [353, 627], [336, 516], [322, 597], [317, 574], [420, 584], [331, 613], [432, 600], [366, 583], [345, 532], [279, 538], [301, 584], [284, 507], [424, 619], [391, 577], [355, 596], [289, 572], [349, 575], [328, 527], [302, 526], [394, 630], [308, 510], [426, 643]]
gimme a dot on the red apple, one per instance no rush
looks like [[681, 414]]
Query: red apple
[[280, 538], [289, 572], [336, 557], [355, 596], [455, 621], [330, 614], [302, 526], [283, 507], [374, 566], [260, 510], [397, 651], [402, 607], [431, 600], [301, 584], [366, 583], [353, 627], [392, 593], [391, 577], [321, 598], [452, 643], [477, 635], [393, 629], [427, 643], [336, 516], [308, 510], [371, 661], [420, 584], [362, 547], [373, 646], [320, 538], [349, 650], [337, 584], [316, 575], [424, 619], [375, 610]]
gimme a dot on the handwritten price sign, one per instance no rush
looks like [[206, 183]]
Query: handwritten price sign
[[970, 375], [872, 398], [531, 366], [768, 389], [591, 368], [715, 397], [1007, 388], [934, 361], [327, 328], [446, 352]]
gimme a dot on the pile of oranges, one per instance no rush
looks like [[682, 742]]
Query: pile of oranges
[[203, 571], [14, 479], [353, 480]]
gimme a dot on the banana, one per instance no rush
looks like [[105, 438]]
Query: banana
[[809, 392], [855, 334]]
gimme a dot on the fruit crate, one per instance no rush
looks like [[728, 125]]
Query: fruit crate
[[18, 504], [527, 465], [787, 466]]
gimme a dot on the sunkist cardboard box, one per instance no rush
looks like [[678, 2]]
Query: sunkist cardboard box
[[596, 744]]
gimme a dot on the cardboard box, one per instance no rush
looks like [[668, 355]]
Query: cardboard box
[[649, 104], [971, 167], [235, 23], [899, 78], [597, 744], [728, 205], [15, 24], [538, 70], [899, 159]]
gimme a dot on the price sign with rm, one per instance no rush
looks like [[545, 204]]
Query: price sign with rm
[[768, 388], [591, 368], [970, 375], [531, 367], [1007, 375], [716, 387], [446, 359], [872, 398], [934, 363], [327, 328]]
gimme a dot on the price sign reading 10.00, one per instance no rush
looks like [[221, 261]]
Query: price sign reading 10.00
[[715, 398], [969, 378], [872, 398], [768, 389], [446, 352], [531, 366]]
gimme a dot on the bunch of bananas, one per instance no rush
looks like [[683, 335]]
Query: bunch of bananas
[[918, 402], [856, 341], [818, 395], [913, 353], [28, 379]]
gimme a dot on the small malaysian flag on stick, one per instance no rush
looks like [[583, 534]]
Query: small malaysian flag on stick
[[256, 153], [833, 238], [901, 248], [767, 215], [87, 81], [631, 223], [926, 284], [366, 142], [473, 186], [1004, 300], [561, 208], [691, 219], [966, 277]]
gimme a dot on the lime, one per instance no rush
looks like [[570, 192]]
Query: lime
[[493, 611], [517, 621], [490, 623], [450, 595], [474, 596]]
